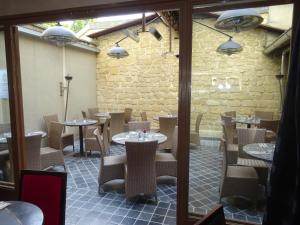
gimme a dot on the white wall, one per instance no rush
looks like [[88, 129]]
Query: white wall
[[42, 70]]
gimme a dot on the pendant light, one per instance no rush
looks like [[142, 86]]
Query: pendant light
[[117, 52], [59, 35], [229, 47], [239, 20]]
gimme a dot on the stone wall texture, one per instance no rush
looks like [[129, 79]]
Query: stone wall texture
[[148, 81]]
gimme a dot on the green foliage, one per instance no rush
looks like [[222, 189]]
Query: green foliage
[[76, 26]]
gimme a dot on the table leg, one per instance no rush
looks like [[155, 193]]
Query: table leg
[[81, 140]]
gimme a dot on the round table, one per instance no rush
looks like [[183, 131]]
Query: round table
[[102, 115], [138, 137], [21, 213], [247, 120], [3, 136], [80, 123], [262, 151]]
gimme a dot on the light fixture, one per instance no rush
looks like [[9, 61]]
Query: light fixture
[[239, 19], [117, 52], [59, 35], [229, 47]]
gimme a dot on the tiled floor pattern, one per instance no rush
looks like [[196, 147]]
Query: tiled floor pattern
[[85, 206]]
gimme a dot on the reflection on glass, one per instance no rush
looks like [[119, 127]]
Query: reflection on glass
[[6, 173]]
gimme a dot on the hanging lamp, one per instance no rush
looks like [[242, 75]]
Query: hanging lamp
[[59, 35], [117, 52], [239, 20], [229, 47]]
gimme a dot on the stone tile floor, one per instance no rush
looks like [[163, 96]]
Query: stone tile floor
[[85, 206]]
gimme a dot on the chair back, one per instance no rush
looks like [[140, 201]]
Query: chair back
[[50, 118], [128, 112], [175, 142], [47, 190], [144, 116], [166, 127], [4, 128], [226, 119], [229, 131], [198, 121], [84, 114], [99, 139], [230, 113], [92, 112], [105, 136], [269, 125], [54, 135], [139, 125], [214, 217], [33, 149], [263, 115], [249, 136], [116, 123], [141, 170]]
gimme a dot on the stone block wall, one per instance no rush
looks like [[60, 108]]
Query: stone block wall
[[148, 81]]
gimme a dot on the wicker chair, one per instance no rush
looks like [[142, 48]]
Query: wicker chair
[[138, 125], [84, 114], [128, 113], [53, 155], [92, 112], [66, 138], [238, 180], [166, 127], [194, 135], [116, 124], [231, 130], [230, 113], [263, 115], [166, 163], [248, 136], [232, 149], [272, 128], [144, 116], [111, 167], [140, 170]]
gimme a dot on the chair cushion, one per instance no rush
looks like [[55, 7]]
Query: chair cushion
[[114, 160], [252, 162], [232, 147], [164, 157], [66, 135], [241, 172]]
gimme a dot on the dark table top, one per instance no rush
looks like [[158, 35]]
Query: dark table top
[[21, 213]]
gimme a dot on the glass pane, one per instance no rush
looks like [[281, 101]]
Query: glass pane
[[239, 88], [6, 173]]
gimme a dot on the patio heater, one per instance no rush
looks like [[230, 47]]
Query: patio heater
[[229, 47], [120, 52], [239, 20], [61, 36]]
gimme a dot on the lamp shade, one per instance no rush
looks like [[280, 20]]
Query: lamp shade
[[238, 20], [117, 52], [59, 35], [229, 47]]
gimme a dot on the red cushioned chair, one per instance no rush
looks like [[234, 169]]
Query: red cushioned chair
[[46, 190], [214, 217]]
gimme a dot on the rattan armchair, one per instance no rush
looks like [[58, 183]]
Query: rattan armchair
[[128, 114], [166, 127], [111, 167], [140, 170], [194, 135], [53, 155], [139, 125], [66, 138], [264, 115], [238, 180], [232, 149], [272, 128], [230, 113], [116, 124], [92, 112], [166, 163], [249, 136], [144, 116]]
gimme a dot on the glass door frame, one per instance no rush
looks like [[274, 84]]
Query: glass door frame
[[185, 8]]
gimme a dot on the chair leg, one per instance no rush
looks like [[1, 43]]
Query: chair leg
[[65, 168], [73, 147]]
